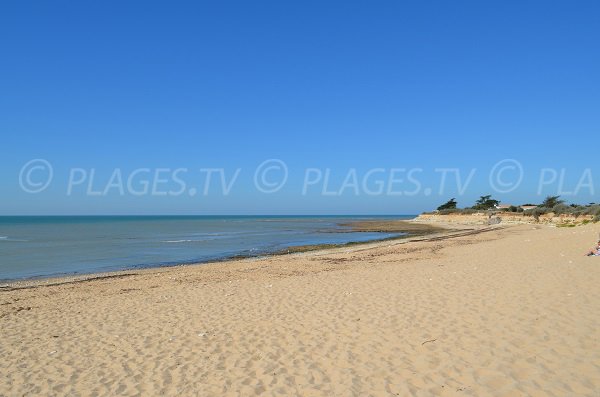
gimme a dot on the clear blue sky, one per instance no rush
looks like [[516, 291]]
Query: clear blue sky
[[339, 85]]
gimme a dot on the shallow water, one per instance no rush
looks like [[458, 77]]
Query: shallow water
[[50, 246]]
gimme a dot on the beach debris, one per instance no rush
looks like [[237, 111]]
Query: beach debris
[[52, 352], [269, 286], [202, 334], [428, 341]]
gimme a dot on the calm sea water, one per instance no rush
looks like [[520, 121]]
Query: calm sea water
[[51, 246]]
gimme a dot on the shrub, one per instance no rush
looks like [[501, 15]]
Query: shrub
[[560, 209], [463, 211], [536, 212], [485, 203], [448, 211], [552, 201], [449, 205]]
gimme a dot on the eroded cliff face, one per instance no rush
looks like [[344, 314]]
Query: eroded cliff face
[[483, 218]]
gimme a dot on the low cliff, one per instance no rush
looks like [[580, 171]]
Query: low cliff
[[483, 218]]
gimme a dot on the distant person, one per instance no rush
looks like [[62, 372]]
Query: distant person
[[594, 251]]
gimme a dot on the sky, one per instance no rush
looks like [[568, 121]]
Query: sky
[[295, 107]]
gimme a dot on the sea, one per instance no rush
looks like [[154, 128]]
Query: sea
[[51, 246]]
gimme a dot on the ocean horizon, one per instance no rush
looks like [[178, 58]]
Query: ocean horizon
[[60, 245]]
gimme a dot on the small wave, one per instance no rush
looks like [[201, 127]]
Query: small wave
[[12, 240], [177, 241], [218, 234]]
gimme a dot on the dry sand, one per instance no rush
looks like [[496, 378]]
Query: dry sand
[[510, 312]]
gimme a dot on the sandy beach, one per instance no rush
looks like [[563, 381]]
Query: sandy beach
[[509, 311]]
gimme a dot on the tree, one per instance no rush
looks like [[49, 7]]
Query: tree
[[485, 203], [449, 205], [551, 202]]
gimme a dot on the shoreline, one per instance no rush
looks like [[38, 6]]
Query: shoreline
[[387, 226], [320, 238]]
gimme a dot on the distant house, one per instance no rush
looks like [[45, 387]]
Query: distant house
[[503, 207], [528, 207]]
